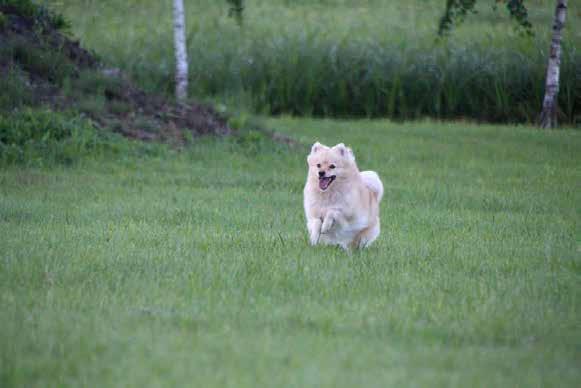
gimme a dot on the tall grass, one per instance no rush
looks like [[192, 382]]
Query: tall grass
[[338, 58], [38, 137]]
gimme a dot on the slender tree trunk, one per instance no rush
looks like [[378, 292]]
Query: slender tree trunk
[[179, 30], [550, 108]]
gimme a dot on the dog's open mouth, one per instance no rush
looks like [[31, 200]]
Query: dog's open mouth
[[325, 182]]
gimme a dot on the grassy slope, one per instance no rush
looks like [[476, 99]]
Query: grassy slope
[[194, 269]]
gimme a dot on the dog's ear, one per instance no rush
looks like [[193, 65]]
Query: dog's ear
[[345, 151], [341, 148], [316, 148]]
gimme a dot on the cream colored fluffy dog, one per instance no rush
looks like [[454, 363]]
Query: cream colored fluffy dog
[[341, 203]]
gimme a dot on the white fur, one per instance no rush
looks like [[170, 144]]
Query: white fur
[[372, 181], [347, 212]]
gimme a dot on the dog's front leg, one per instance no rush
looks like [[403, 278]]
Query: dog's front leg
[[331, 219], [314, 227]]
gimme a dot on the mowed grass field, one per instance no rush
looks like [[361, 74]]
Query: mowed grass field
[[193, 268]]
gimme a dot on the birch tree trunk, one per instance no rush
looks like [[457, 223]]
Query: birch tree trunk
[[179, 30], [550, 102]]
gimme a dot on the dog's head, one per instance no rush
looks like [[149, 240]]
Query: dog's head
[[328, 165]]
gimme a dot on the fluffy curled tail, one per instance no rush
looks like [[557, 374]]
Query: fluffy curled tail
[[372, 181]]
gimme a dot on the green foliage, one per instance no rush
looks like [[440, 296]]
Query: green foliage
[[38, 137], [341, 58], [457, 10], [520, 14], [3, 21], [363, 79], [193, 269], [236, 10], [25, 8], [238, 121], [43, 17], [41, 60], [252, 142], [92, 81], [15, 91]]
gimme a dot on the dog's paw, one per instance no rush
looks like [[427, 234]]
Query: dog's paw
[[314, 238], [314, 227], [327, 225]]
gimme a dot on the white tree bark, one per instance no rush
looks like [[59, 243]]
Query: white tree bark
[[179, 29], [550, 102]]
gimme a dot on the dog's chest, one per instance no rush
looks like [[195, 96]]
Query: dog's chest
[[331, 202], [352, 221]]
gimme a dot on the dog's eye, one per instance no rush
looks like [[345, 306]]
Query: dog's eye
[[332, 166], [318, 165]]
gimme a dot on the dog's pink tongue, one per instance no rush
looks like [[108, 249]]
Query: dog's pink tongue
[[324, 183]]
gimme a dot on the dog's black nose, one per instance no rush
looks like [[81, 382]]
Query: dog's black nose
[[321, 174]]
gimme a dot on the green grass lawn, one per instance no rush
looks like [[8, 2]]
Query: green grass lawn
[[193, 268]]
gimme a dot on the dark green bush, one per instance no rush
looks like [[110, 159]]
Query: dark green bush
[[93, 83], [14, 90], [37, 137], [42, 61], [3, 21], [40, 14]]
